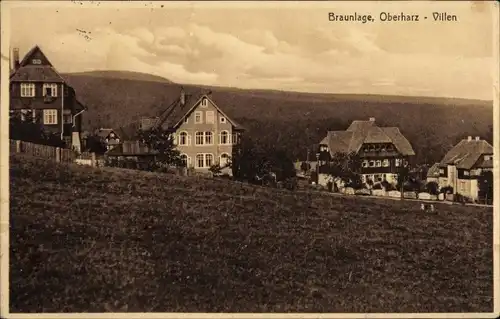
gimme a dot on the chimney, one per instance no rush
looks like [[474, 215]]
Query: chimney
[[372, 119], [183, 97], [469, 138], [478, 138], [15, 59]]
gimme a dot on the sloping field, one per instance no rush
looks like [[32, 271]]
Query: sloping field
[[85, 239]]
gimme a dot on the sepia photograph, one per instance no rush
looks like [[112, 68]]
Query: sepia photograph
[[250, 158]]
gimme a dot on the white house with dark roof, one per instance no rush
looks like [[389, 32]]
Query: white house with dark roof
[[203, 133], [463, 164], [384, 151]]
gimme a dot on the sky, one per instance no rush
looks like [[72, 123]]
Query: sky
[[271, 46]]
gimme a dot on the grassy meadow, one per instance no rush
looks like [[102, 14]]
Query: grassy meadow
[[84, 239]]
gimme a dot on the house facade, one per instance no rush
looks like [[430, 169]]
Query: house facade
[[384, 152], [203, 133], [461, 167], [109, 137], [36, 88]]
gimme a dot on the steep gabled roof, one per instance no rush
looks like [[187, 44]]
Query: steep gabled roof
[[197, 103], [466, 154], [104, 132], [433, 171], [27, 56], [360, 132], [35, 73], [360, 126], [129, 131], [400, 142]]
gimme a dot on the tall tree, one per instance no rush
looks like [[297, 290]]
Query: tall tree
[[161, 143]]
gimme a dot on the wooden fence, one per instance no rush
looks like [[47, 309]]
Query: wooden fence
[[56, 154]]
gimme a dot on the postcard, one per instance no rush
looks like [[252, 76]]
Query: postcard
[[244, 159]]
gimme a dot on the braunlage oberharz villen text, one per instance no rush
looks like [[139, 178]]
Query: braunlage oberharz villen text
[[391, 17]]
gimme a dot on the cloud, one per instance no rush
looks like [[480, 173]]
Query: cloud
[[302, 52]]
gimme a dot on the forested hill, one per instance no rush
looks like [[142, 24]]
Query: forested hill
[[290, 120]]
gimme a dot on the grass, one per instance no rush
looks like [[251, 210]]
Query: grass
[[95, 240]]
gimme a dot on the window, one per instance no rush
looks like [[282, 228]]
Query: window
[[210, 117], [36, 61], [487, 157], [200, 160], [183, 138], [372, 163], [50, 117], [204, 102], [67, 117], [224, 159], [27, 89], [204, 138], [50, 90], [365, 163], [398, 162], [186, 161], [385, 163], [378, 163], [209, 160], [235, 138], [222, 119], [466, 173], [197, 117], [186, 119], [204, 160], [208, 138], [199, 138], [224, 138]]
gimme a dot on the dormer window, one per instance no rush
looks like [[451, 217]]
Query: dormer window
[[36, 61], [27, 89], [50, 90]]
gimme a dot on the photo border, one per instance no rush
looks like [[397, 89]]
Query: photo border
[[4, 169]]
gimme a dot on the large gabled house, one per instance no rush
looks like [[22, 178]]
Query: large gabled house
[[203, 133], [461, 167], [37, 88], [383, 151]]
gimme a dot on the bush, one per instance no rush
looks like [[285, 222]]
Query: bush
[[432, 188], [447, 190], [377, 186]]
